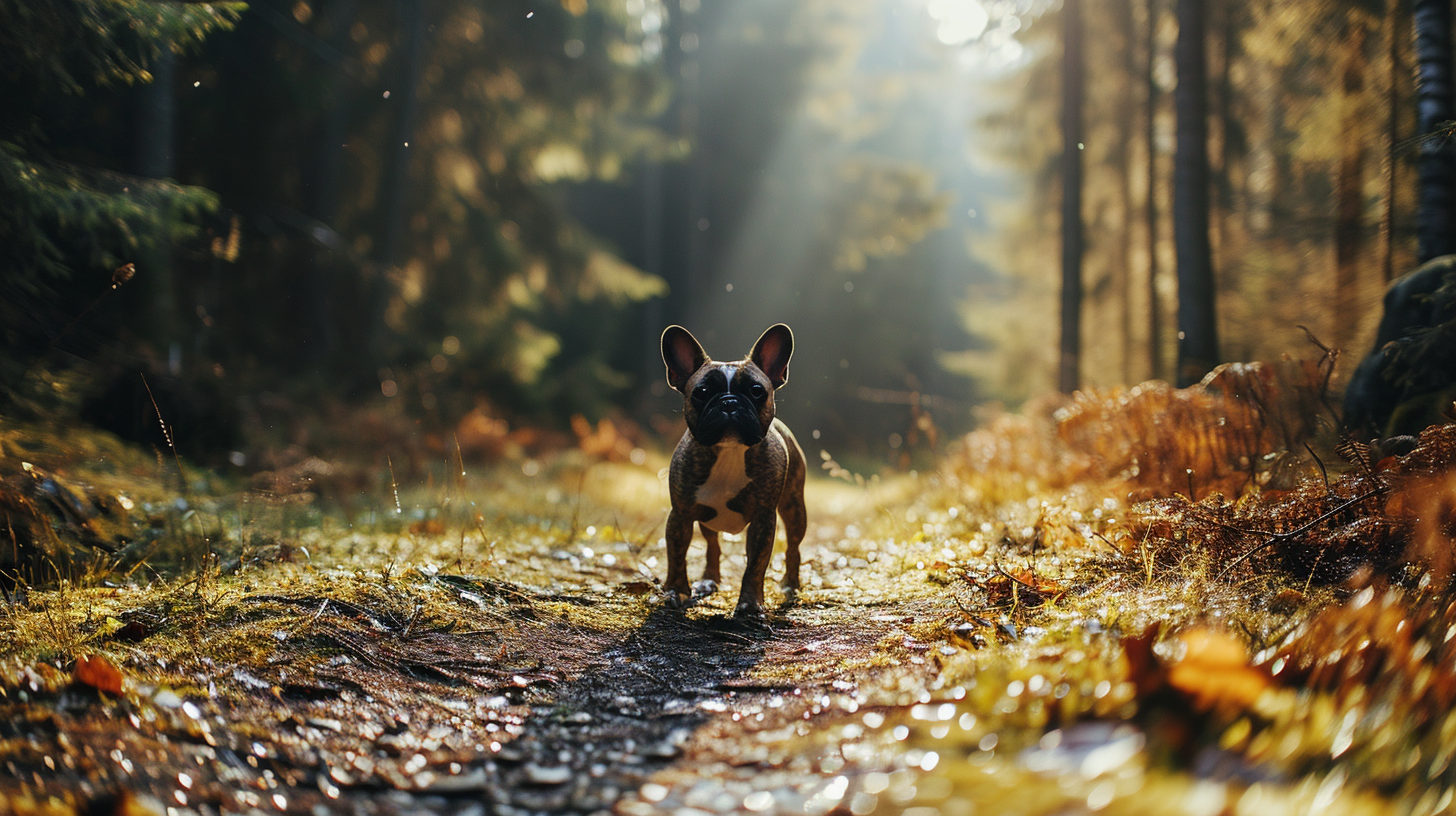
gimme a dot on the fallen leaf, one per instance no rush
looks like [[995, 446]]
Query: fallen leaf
[[1215, 672], [132, 631], [98, 673], [1209, 669], [635, 587], [427, 527]]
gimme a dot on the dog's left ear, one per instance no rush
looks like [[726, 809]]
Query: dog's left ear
[[772, 351]]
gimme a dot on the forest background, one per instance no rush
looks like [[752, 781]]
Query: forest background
[[477, 218]]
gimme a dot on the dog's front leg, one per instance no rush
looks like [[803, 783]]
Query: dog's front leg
[[712, 571], [679, 534], [761, 530]]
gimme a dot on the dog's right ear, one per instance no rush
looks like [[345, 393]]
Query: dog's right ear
[[683, 355]]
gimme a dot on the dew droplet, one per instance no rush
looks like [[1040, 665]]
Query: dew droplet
[[756, 801]]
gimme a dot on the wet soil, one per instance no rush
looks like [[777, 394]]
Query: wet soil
[[496, 644], [321, 686], [372, 714]]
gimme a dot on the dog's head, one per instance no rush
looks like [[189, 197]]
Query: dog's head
[[728, 400]]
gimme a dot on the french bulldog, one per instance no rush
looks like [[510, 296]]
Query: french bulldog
[[737, 465]]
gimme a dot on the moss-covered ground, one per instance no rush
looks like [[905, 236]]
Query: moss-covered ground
[[1030, 627]]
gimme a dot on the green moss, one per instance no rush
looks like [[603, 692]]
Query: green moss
[[981, 618]]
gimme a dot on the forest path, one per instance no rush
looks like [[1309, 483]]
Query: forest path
[[695, 709], [512, 658], [496, 644]]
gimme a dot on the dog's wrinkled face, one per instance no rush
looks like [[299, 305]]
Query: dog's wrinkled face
[[727, 400]]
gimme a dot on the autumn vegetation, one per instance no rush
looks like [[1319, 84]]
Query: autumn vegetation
[[333, 436]]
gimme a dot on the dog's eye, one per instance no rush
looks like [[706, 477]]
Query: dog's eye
[[757, 391], [701, 392]]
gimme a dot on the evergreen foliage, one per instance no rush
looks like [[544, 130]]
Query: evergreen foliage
[[65, 211], [364, 191], [397, 201]]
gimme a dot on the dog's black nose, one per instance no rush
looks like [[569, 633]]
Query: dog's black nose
[[728, 401]]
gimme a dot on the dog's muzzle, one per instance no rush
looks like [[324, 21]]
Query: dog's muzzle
[[728, 413]]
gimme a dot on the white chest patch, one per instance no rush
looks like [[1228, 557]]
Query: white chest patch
[[725, 480]]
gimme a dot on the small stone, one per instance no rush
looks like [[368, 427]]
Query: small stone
[[166, 698], [541, 775], [758, 801], [475, 780]]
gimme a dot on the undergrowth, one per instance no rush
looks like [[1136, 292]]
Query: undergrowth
[[1252, 612], [1279, 595]]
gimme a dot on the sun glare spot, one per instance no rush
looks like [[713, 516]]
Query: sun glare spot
[[960, 20]]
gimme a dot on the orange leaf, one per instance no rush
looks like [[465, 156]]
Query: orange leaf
[[98, 673], [1215, 671], [1210, 669], [427, 527]]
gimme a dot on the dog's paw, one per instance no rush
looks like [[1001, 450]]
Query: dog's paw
[[748, 610], [704, 588], [672, 599]]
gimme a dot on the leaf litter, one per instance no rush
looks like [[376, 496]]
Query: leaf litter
[[1150, 600]]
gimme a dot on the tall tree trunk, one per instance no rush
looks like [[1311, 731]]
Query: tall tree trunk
[[1197, 329], [1072, 241], [320, 335], [1349, 192], [1219, 44], [1434, 221], [155, 158], [1392, 135], [1122, 153], [1229, 172], [395, 187], [1150, 135]]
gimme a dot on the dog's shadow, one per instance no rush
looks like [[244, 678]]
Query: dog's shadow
[[703, 598], [637, 704]]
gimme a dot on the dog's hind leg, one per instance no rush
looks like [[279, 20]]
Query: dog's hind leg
[[794, 514]]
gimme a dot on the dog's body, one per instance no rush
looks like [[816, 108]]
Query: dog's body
[[737, 466]]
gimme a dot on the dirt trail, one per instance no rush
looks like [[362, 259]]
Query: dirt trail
[[496, 645], [553, 686], [686, 694]]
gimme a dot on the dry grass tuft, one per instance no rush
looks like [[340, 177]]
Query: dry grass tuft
[[1231, 432], [1396, 517]]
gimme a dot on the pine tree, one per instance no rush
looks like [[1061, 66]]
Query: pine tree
[[65, 210]]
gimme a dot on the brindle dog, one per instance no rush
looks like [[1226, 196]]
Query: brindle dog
[[737, 466]]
